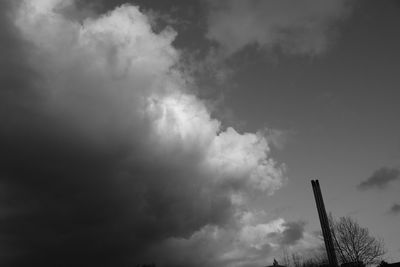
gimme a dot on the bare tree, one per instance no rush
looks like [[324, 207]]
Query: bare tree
[[319, 256], [297, 260], [285, 257], [311, 258], [354, 243]]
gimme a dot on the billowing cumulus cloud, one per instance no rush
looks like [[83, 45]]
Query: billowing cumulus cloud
[[295, 27], [109, 159], [380, 178]]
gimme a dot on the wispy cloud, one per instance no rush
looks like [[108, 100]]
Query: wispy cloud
[[294, 27], [394, 209], [380, 178]]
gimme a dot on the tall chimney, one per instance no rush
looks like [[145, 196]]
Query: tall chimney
[[323, 218]]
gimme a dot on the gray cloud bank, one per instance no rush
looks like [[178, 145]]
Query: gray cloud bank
[[380, 178]]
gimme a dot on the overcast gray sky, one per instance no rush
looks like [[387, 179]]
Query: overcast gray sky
[[186, 133]]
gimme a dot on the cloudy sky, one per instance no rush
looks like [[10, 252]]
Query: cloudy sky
[[186, 132]]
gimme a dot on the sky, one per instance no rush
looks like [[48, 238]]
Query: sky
[[186, 132]]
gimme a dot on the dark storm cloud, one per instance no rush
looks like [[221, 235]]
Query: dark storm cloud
[[66, 200], [380, 178], [16, 77], [61, 205], [394, 209], [61, 200], [104, 154], [68, 203]]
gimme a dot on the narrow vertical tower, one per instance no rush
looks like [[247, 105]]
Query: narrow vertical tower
[[323, 218]]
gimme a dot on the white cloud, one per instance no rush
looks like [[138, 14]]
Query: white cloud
[[235, 155], [257, 235]]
